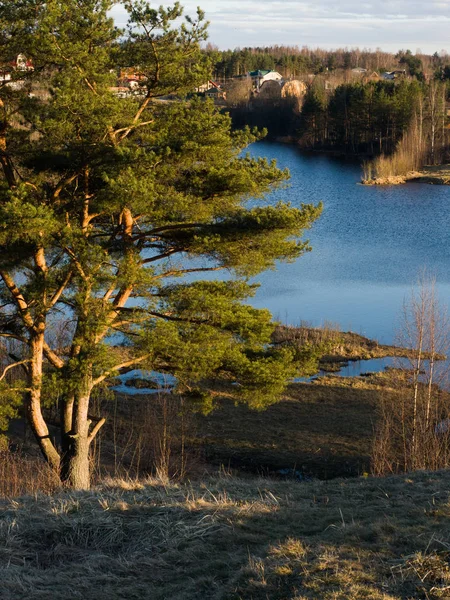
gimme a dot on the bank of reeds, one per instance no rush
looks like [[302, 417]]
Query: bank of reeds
[[410, 156]]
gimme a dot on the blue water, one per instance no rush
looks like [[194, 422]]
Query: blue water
[[164, 381], [369, 246]]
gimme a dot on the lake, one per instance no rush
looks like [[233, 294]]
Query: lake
[[369, 246]]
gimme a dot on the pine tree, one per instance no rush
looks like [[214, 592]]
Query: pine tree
[[112, 207]]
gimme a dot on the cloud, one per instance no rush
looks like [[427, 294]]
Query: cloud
[[389, 24]]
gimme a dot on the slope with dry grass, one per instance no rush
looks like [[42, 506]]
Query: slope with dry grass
[[342, 346], [323, 429], [230, 539], [434, 175]]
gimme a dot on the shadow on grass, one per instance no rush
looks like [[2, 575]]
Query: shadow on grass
[[323, 431], [231, 539]]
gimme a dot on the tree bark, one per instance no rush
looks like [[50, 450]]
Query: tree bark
[[75, 467], [77, 437], [34, 412]]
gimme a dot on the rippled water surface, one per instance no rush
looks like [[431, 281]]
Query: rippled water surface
[[369, 246]]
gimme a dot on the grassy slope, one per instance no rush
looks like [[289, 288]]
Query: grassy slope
[[325, 429], [345, 345], [230, 539]]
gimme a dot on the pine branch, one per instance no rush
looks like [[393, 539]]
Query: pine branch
[[124, 365], [184, 271], [169, 317], [52, 357], [19, 299], [170, 252], [96, 429], [12, 366], [57, 295]]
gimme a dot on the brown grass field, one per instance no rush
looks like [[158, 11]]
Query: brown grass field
[[323, 430], [231, 539]]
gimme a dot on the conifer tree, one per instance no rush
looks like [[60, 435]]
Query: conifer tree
[[111, 210]]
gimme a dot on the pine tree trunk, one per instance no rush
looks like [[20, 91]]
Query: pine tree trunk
[[75, 464], [34, 412]]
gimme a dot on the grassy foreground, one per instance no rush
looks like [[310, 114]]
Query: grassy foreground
[[231, 539]]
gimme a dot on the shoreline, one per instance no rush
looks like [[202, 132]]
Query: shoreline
[[345, 346], [432, 175]]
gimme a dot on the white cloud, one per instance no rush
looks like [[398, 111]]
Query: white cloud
[[389, 24]]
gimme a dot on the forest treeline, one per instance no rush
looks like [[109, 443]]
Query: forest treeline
[[358, 118], [292, 61]]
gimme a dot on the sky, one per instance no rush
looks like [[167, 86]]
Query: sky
[[387, 24]]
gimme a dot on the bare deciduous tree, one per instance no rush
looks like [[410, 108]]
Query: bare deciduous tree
[[414, 427]]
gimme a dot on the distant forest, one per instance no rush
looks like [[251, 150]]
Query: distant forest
[[292, 61], [340, 110]]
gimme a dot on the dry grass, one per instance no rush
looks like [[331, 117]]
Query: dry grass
[[343, 346], [21, 474], [325, 429], [410, 155], [231, 539]]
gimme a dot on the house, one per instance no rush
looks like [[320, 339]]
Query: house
[[130, 77], [22, 63], [259, 77], [216, 92], [392, 75], [201, 89], [210, 89], [374, 76]]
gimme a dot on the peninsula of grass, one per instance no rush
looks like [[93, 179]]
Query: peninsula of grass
[[433, 174], [323, 429], [231, 539], [342, 347]]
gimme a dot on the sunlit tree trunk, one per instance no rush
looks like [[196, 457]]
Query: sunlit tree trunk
[[33, 405], [75, 468]]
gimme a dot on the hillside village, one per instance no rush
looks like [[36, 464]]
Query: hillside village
[[266, 85]]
